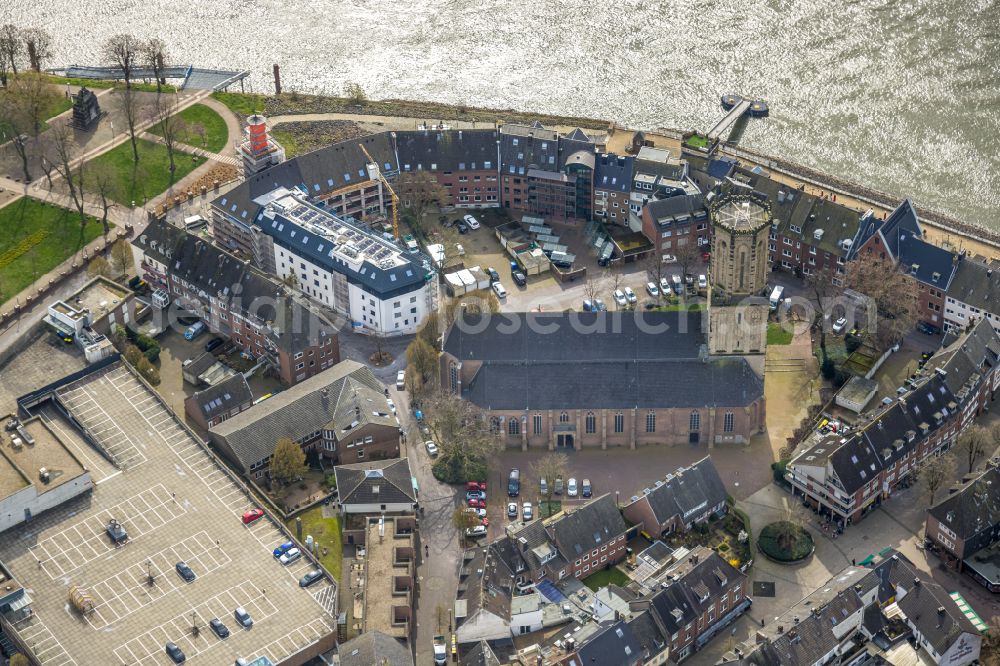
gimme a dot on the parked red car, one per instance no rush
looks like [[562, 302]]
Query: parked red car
[[477, 504], [476, 485], [252, 515]]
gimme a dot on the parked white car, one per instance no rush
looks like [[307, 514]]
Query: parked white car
[[571, 487], [840, 325], [630, 295], [499, 290], [526, 512], [472, 222], [290, 556], [620, 298], [652, 289], [401, 380], [476, 532], [702, 282], [432, 448]]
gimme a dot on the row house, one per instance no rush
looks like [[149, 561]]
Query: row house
[[656, 175], [899, 239], [974, 294], [236, 301], [846, 477], [612, 188], [878, 613], [546, 174], [466, 163], [676, 222], [966, 524], [686, 497]]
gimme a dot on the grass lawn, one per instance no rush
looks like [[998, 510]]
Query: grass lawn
[[35, 237], [697, 141], [777, 335], [241, 104], [147, 179], [326, 533], [101, 83], [59, 104], [216, 132], [606, 577], [287, 141]]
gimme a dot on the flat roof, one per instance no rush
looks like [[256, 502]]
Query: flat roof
[[380, 572], [99, 296], [22, 464], [177, 503]]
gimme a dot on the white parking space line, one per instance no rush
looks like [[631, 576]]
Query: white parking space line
[[82, 542], [292, 642], [127, 592], [47, 648], [147, 648], [89, 412]]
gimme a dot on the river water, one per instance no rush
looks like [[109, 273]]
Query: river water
[[902, 95]]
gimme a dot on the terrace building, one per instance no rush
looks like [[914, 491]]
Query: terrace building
[[676, 222], [466, 163], [973, 294], [686, 497], [236, 301], [612, 186], [845, 477], [656, 175]]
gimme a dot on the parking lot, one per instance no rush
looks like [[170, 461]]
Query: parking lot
[[177, 504]]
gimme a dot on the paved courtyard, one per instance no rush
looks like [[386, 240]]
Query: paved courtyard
[[177, 504]]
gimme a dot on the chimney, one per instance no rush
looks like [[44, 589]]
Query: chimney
[[357, 412], [916, 582]]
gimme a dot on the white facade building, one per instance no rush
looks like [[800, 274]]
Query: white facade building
[[380, 287]]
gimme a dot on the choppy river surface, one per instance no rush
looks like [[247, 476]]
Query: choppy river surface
[[901, 95]]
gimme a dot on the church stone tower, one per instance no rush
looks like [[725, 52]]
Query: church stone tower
[[740, 227]]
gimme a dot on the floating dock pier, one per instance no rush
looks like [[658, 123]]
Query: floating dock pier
[[738, 107]]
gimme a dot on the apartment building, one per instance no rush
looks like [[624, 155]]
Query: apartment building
[[545, 174], [236, 301], [973, 294], [879, 613], [676, 222], [964, 528], [845, 477], [898, 238], [342, 413], [657, 175], [612, 188], [466, 163]]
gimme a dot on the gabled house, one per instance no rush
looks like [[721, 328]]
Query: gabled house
[[965, 525], [675, 222], [374, 488], [374, 647], [684, 498], [899, 239], [342, 413], [213, 405], [974, 293]]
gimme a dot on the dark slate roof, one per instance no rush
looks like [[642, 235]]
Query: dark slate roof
[[680, 602], [901, 224], [686, 491], [279, 221], [567, 384], [447, 150], [374, 647], [647, 634], [356, 483], [303, 409], [223, 397], [316, 173], [613, 172], [721, 168], [678, 210], [928, 263], [941, 628], [588, 527], [523, 148], [977, 284], [292, 325], [481, 654], [594, 336], [201, 363], [974, 508], [614, 644], [855, 465]]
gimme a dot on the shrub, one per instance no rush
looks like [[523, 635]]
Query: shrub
[[785, 541], [330, 481], [152, 355], [851, 343], [829, 369]]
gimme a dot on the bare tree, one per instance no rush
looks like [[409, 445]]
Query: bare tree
[[421, 191], [129, 104], [894, 294], [465, 434], [592, 289], [124, 50], [421, 360], [99, 266], [62, 144], [198, 130], [10, 51], [169, 124], [154, 54], [973, 444], [121, 256], [38, 44], [104, 181], [935, 471], [24, 106], [820, 284], [550, 467], [687, 255], [654, 267]]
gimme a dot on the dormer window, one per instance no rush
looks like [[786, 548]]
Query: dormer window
[[914, 268]]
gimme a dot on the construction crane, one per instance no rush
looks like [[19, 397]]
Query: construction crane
[[392, 192]]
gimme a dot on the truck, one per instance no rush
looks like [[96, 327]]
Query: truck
[[776, 295], [440, 651]]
